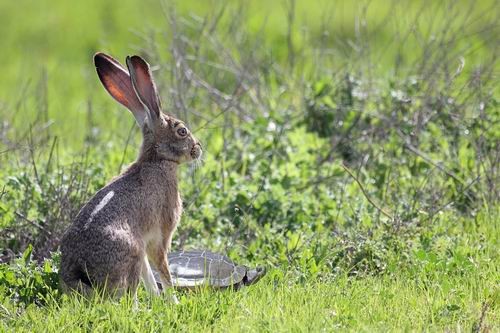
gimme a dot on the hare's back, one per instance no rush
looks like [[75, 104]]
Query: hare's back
[[115, 202], [103, 230]]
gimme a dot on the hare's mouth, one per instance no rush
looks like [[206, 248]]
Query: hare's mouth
[[196, 151]]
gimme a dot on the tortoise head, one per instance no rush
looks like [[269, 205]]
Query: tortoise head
[[254, 275]]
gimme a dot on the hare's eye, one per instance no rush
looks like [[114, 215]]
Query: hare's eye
[[182, 131]]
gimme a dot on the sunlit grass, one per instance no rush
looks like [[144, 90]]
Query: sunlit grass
[[401, 302]]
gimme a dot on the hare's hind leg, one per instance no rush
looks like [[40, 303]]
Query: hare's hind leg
[[126, 281], [134, 277], [148, 277]]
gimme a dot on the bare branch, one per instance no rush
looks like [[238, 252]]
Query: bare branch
[[370, 200]]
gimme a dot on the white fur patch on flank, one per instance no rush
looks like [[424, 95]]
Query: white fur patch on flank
[[104, 202]]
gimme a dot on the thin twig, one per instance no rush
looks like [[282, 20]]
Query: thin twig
[[3, 192], [49, 161], [5, 310], [438, 165], [453, 200], [32, 154], [476, 328], [370, 200], [33, 223], [127, 143], [289, 36]]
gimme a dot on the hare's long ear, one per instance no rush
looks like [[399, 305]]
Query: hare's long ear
[[144, 86], [116, 79]]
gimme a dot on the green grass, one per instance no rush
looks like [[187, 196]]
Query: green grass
[[449, 287], [434, 301], [404, 94]]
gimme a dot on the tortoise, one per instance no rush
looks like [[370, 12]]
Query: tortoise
[[195, 268]]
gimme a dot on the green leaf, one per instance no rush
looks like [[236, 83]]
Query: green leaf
[[27, 254]]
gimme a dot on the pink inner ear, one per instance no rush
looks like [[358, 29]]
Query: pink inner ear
[[116, 80], [144, 83], [116, 89]]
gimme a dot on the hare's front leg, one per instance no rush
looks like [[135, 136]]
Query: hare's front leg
[[158, 256], [161, 262], [166, 278]]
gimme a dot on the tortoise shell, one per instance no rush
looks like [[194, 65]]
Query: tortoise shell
[[190, 269]]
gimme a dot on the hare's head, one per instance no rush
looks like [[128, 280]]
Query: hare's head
[[165, 137]]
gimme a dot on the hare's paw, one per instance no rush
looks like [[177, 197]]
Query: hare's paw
[[173, 299]]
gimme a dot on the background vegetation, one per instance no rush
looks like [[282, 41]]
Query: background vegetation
[[350, 147]]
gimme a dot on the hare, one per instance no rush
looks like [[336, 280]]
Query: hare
[[130, 221]]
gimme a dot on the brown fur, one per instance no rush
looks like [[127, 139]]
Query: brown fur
[[133, 218]]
